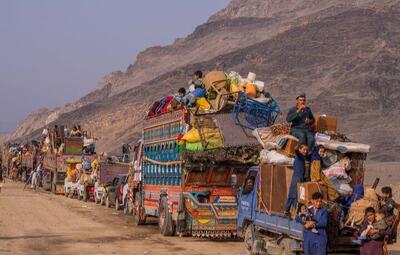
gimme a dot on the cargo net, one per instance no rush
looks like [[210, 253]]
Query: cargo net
[[251, 114]]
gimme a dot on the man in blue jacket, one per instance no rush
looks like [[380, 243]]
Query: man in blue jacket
[[316, 242], [302, 118]]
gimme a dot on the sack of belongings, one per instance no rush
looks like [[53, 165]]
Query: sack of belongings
[[357, 209], [203, 104], [192, 136], [212, 137], [273, 157], [194, 146]]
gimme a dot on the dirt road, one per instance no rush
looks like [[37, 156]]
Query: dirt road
[[35, 222]]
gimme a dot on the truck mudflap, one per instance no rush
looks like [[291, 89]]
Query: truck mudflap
[[210, 220]]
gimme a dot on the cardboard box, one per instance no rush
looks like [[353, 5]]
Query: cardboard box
[[289, 149], [306, 189], [324, 123]]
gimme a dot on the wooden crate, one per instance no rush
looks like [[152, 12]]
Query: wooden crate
[[274, 187]]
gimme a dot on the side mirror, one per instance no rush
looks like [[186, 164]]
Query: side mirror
[[233, 180]]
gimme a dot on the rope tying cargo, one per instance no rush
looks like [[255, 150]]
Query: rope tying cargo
[[170, 163]]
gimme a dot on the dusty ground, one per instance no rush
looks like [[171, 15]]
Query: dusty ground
[[35, 222]]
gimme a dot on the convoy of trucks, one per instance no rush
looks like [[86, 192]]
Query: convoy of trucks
[[192, 193]]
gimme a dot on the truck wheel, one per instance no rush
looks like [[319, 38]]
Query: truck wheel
[[138, 212], [285, 246], [249, 238], [96, 199], [53, 184], [127, 208], [116, 204], [108, 205], [165, 222]]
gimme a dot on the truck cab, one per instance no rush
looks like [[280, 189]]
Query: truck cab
[[262, 228]]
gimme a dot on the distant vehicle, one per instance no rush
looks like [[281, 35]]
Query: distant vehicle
[[106, 174], [114, 192], [55, 167]]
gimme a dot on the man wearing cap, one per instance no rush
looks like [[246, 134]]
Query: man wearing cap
[[301, 118]]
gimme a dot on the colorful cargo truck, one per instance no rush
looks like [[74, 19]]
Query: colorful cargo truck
[[192, 188], [55, 164]]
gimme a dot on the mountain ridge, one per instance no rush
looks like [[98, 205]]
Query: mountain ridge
[[340, 57]]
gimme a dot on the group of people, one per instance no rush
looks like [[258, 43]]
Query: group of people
[[76, 131], [379, 223], [188, 96]]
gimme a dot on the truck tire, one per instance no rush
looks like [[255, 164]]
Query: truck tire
[[165, 222], [108, 204], [138, 213], [96, 199], [127, 207], [249, 238], [117, 204], [286, 247], [53, 184]]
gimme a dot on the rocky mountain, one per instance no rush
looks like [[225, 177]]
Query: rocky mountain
[[344, 54]]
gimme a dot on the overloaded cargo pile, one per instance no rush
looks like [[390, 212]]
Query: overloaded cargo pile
[[342, 168], [213, 106], [343, 161], [18, 160]]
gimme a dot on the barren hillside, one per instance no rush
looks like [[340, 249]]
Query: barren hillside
[[344, 55]]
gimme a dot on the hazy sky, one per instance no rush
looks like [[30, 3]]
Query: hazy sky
[[54, 51]]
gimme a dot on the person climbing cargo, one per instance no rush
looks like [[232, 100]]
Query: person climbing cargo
[[317, 175], [126, 149], [302, 118], [298, 177]]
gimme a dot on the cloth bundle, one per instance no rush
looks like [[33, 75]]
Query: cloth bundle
[[357, 209], [273, 157], [269, 141]]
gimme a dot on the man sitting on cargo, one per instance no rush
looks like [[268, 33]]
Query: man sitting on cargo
[[301, 118], [198, 79]]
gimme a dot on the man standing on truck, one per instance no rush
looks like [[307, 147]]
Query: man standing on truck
[[316, 242], [126, 150], [301, 118]]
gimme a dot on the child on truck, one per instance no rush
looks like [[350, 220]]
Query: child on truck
[[376, 224], [305, 215]]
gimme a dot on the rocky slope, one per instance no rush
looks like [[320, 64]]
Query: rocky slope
[[344, 54]]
